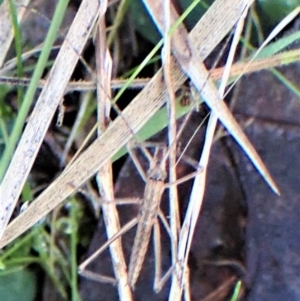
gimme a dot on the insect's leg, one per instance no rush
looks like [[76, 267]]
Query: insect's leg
[[159, 281], [97, 201], [157, 255], [189, 161], [94, 276], [98, 277], [186, 178], [186, 285], [130, 147]]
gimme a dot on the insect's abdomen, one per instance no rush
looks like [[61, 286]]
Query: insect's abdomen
[[147, 217]]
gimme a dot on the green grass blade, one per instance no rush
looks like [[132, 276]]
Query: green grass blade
[[28, 99], [18, 46], [279, 45], [236, 291]]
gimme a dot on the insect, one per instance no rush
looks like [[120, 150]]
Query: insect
[[148, 213], [155, 186]]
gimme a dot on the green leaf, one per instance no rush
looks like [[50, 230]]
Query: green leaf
[[19, 285], [276, 10]]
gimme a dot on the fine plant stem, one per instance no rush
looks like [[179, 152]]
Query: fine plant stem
[[293, 88], [18, 46], [17, 246], [122, 9], [73, 251]]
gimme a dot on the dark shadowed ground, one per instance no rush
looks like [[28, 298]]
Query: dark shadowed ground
[[272, 238]]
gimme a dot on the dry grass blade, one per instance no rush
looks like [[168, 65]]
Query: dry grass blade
[[204, 38], [104, 175], [172, 132], [196, 198], [44, 110], [7, 34], [76, 85], [193, 66]]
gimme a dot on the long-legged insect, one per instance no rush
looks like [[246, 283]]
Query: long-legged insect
[[155, 186], [147, 217]]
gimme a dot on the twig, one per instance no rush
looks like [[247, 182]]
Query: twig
[[76, 85], [173, 192], [104, 176]]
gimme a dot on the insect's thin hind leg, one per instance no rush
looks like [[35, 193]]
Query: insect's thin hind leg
[[94, 276], [160, 281], [186, 178], [130, 147]]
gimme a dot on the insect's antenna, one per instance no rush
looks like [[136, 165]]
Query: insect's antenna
[[60, 33], [119, 112]]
